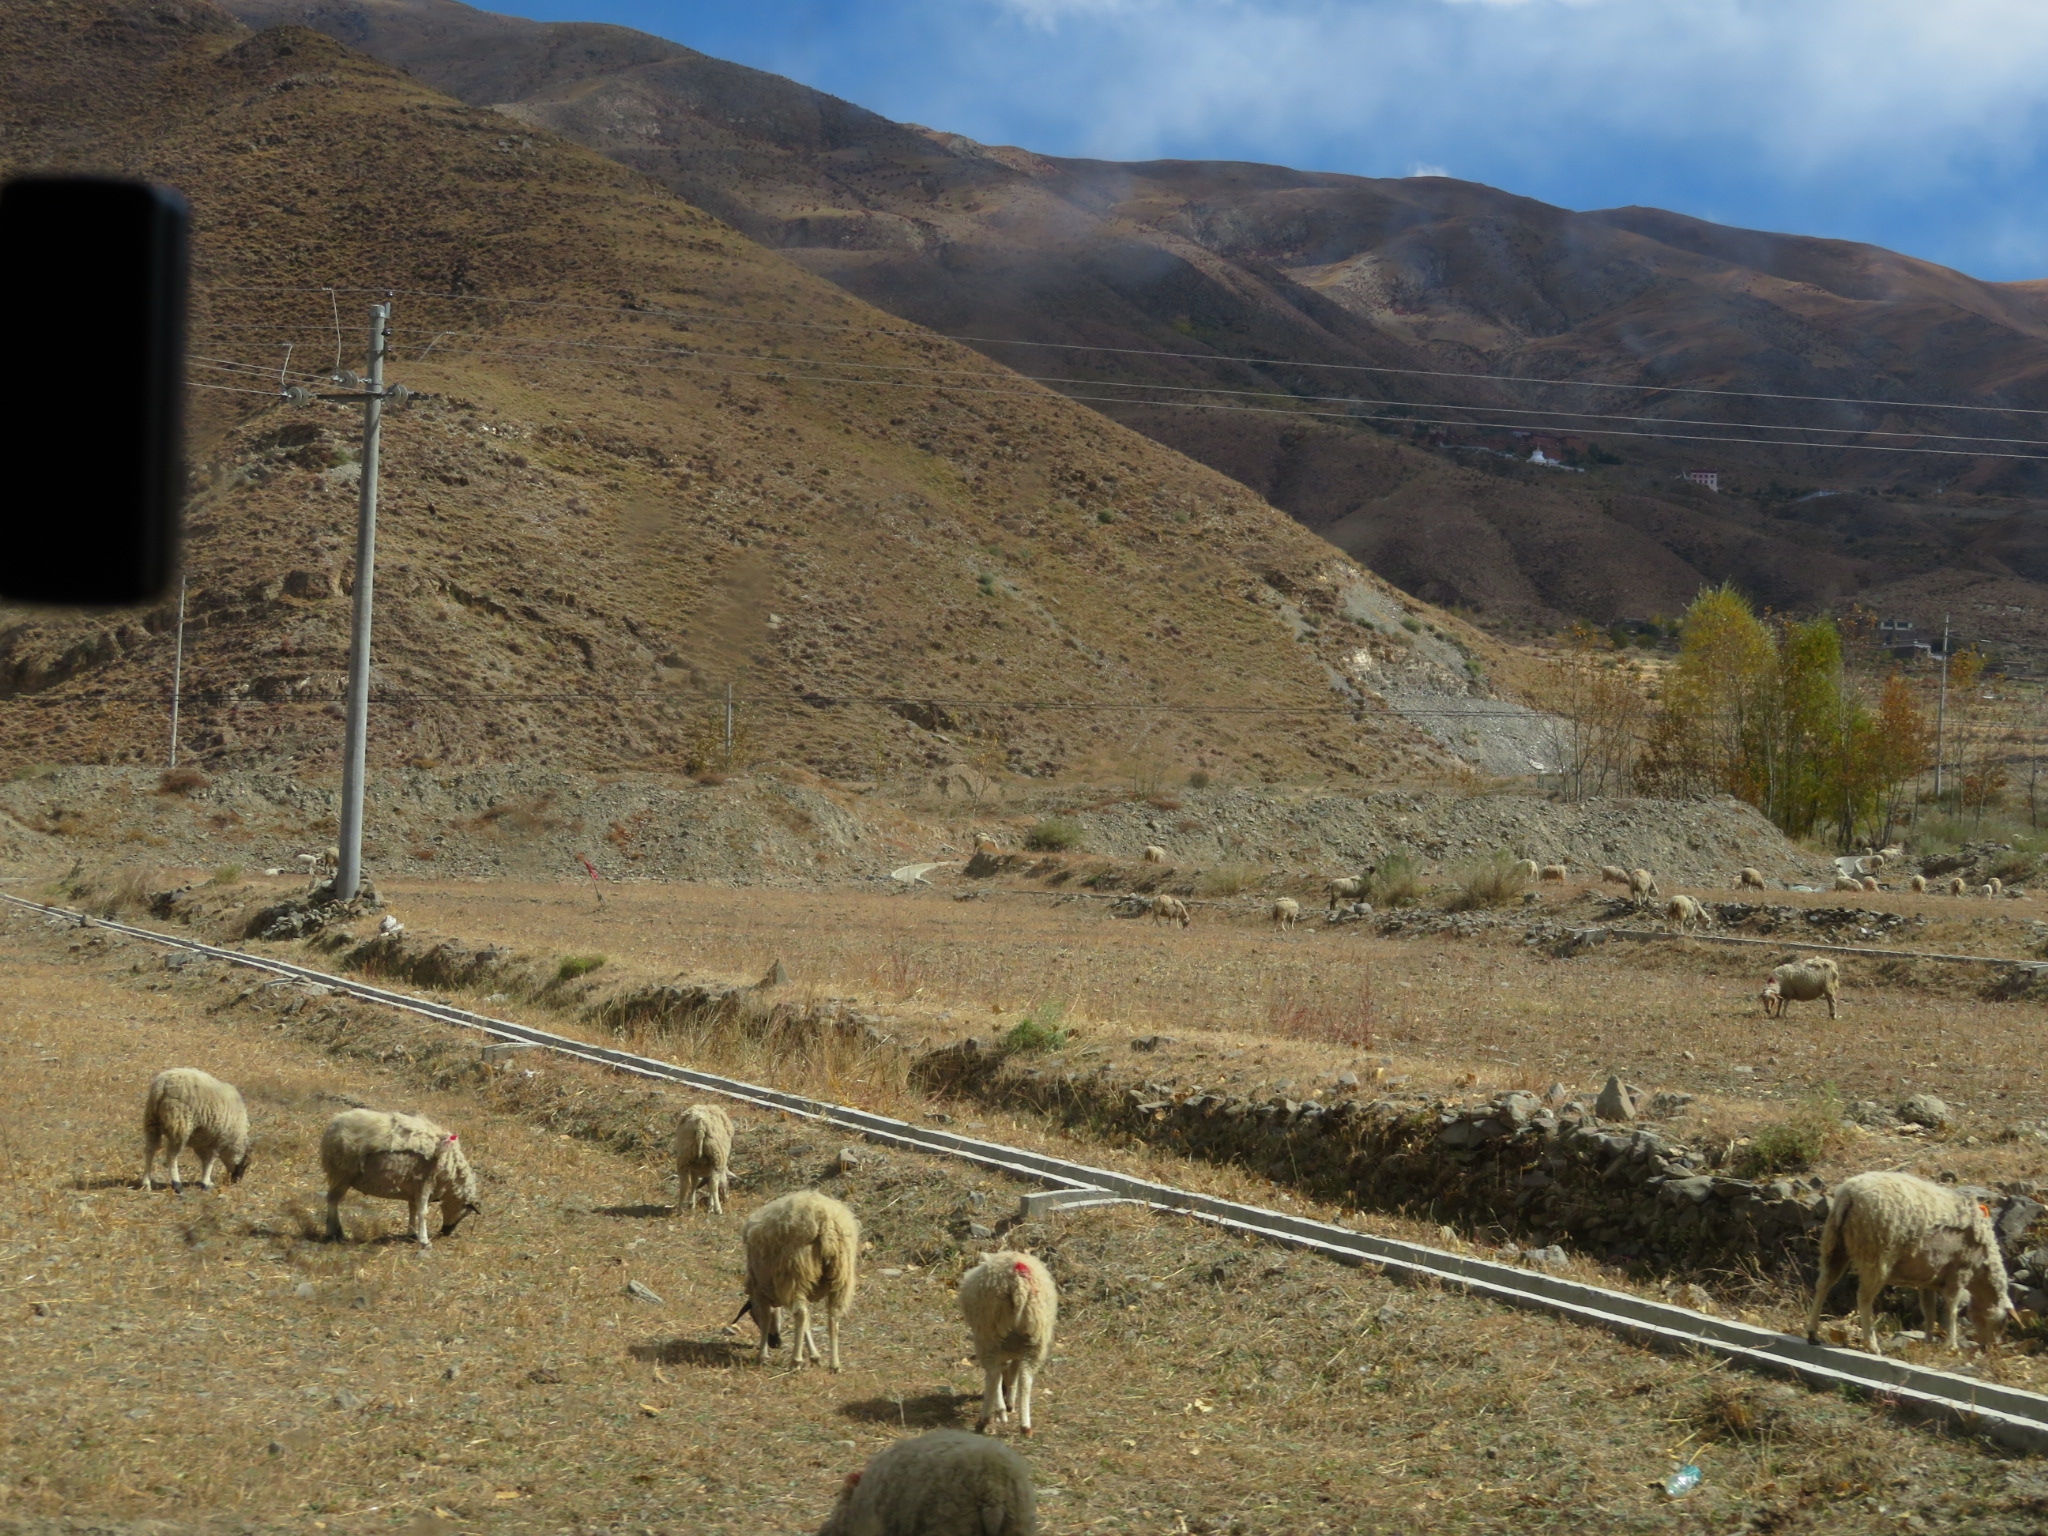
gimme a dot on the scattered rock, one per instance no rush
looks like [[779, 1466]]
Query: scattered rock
[[640, 1292], [1615, 1102], [453, 1372], [1925, 1109], [1664, 1105], [1552, 1257], [545, 1376], [846, 1161], [347, 1401], [303, 1290], [778, 976], [1152, 1042], [980, 1231]]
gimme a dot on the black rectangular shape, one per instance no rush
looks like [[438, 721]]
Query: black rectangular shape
[[92, 392]]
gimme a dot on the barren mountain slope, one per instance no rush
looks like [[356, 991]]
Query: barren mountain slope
[[1226, 261], [623, 488]]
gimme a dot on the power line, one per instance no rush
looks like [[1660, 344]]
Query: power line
[[1209, 357], [524, 349], [783, 375]]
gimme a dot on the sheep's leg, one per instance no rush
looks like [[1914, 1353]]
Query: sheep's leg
[[419, 1217], [334, 1232], [1833, 1265], [206, 1166], [991, 1395], [718, 1194], [802, 1345], [1868, 1288], [1831, 1004], [1020, 1395], [764, 1319], [1951, 1298], [686, 1192], [177, 1151], [152, 1139], [832, 1334]]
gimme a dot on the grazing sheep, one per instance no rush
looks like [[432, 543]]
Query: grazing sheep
[[802, 1248], [1918, 882], [945, 1483], [1345, 888], [983, 843], [1555, 873], [1955, 885], [1892, 851], [1802, 981], [187, 1107], [1528, 869], [1614, 873], [1286, 913], [1170, 909], [703, 1156], [1011, 1306], [1154, 854], [1895, 1229], [396, 1157], [1642, 883], [1870, 882], [1683, 912], [1748, 879], [1996, 886], [1848, 883]]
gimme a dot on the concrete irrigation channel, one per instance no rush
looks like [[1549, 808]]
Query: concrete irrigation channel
[[2013, 1418]]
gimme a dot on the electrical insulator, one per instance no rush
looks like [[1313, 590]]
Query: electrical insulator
[[297, 395], [348, 379], [398, 394]]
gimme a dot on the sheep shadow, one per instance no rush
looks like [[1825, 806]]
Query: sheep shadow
[[929, 1410], [633, 1211], [115, 1181], [708, 1354]]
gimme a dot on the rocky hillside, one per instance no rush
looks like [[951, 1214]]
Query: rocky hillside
[[1216, 263], [626, 485]]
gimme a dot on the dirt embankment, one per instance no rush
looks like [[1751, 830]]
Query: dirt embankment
[[794, 826]]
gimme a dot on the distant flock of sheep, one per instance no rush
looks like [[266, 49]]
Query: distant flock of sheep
[[802, 1251]]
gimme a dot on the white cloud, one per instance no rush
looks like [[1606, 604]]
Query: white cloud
[[1418, 168]]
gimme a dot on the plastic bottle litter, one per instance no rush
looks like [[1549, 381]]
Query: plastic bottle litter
[[1683, 1481]]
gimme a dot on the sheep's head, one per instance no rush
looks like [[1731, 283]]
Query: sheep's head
[[457, 1186], [238, 1167]]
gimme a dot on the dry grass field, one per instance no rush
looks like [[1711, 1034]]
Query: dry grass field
[[204, 1360], [1443, 1012]]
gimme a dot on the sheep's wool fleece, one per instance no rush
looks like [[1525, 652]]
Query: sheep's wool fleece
[[946, 1483]]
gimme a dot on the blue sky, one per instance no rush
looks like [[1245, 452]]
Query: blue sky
[[1921, 125]]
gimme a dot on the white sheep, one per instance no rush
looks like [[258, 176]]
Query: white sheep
[[1848, 883], [397, 1157], [1918, 882], [703, 1148], [802, 1248], [1154, 854], [1526, 868], [1802, 981], [945, 1483], [1345, 888], [1892, 851], [187, 1107], [1556, 874], [1286, 913], [983, 843], [1955, 885], [1749, 879], [1170, 909], [1995, 885], [1895, 1229], [1870, 882], [1614, 873], [1012, 1307], [1642, 883], [1683, 912]]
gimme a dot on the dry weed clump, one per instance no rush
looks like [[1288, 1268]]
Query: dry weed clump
[[182, 781], [1054, 834], [1493, 882], [1306, 1009]]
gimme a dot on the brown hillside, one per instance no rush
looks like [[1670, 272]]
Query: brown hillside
[[611, 501], [1222, 261]]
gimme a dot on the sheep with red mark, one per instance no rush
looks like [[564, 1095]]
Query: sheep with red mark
[[1012, 1307], [397, 1157], [1896, 1229]]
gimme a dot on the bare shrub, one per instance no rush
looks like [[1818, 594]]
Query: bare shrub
[[1055, 834], [1795, 1143], [1396, 883], [182, 781], [1493, 882], [1227, 880]]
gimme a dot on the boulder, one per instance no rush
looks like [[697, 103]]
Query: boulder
[[1925, 1109], [1616, 1102]]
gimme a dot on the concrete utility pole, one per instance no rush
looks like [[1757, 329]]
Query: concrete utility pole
[[1941, 712], [178, 672], [728, 726], [349, 871]]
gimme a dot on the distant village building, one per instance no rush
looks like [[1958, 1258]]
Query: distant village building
[[1710, 478]]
